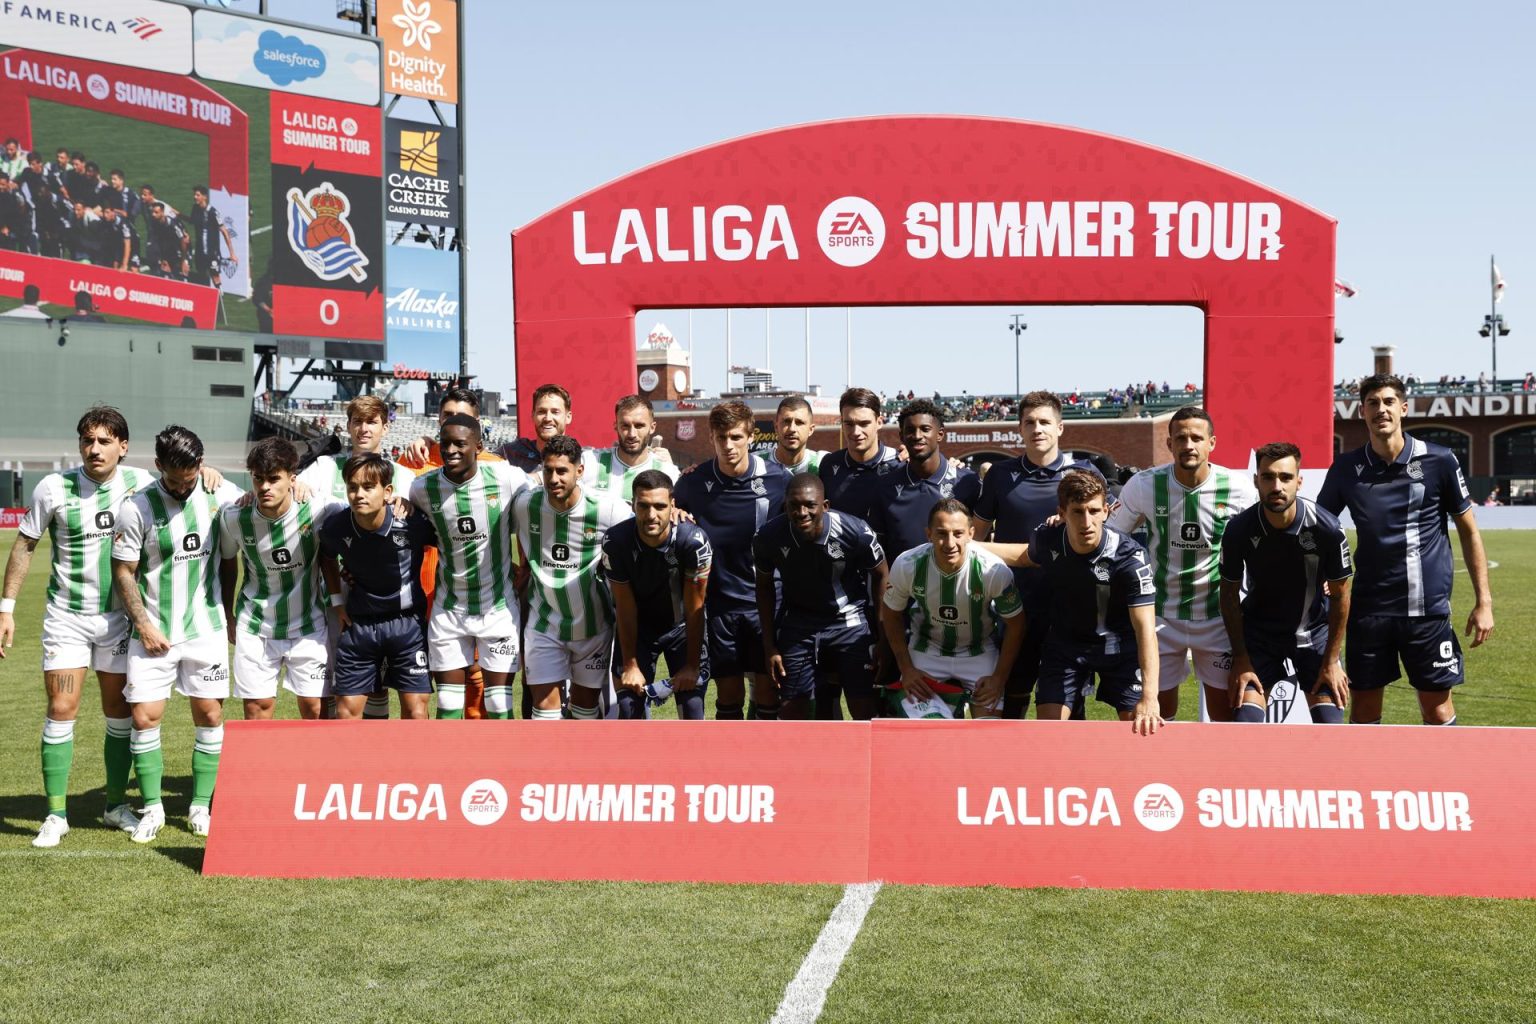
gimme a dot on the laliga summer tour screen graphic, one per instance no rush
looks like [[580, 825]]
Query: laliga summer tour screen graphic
[[194, 168]]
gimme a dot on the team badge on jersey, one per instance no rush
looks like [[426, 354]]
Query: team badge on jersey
[[1415, 470], [1101, 572], [319, 234]]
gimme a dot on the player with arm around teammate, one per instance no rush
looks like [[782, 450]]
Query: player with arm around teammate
[[613, 471]]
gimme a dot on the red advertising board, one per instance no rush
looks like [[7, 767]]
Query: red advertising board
[[114, 292], [10, 518]]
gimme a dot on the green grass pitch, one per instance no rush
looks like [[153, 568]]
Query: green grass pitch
[[103, 931]]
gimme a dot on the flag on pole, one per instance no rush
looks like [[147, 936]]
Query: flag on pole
[[1344, 289], [1498, 283]]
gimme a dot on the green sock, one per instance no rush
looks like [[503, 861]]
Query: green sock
[[118, 758], [148, 763], [207, 745], [450, 700], [58, 754]]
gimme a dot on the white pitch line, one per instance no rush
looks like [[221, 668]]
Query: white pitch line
[[45, 854], [806, 993], [261, 230]]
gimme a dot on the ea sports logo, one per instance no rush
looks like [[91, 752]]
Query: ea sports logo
[[484, 802], [851, 231], [1158, 806]]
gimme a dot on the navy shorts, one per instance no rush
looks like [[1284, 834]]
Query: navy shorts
[[391, 652], [1275, 661], [1067, 674], [1427, 645], [1026, 667], [735, 642], [809, 655]]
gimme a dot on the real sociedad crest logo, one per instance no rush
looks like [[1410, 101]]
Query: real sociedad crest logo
[[319, 234]]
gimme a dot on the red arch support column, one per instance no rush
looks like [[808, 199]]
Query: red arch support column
[[941, 211]]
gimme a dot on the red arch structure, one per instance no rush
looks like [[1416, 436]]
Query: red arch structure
[[941, 210]]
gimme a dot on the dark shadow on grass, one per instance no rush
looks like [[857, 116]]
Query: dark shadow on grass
[[189, 857], [21, 814]]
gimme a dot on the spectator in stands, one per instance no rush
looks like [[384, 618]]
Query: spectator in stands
[[1493, 497], [1529, 382], [31, 296], [85, 309]]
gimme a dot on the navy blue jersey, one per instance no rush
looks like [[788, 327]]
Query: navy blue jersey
[[903, 501], [385, 565], [1018, 496], [731, 510], [1091, 594], [1285, 571], [1399, 508], [851, 485], [821, 584], [656, 574]]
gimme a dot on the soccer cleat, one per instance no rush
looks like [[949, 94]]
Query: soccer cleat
[[199, 820], [54, 828], [120, 817], [149, 824]]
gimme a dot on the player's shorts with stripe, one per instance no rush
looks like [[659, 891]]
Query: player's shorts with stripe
[[73, 640], [1208, 646], [1275, 660], [585, 663], [258, 660], [455, 637], [194, 668], [964, 669], [1427, 645], [735, 642], [814, 656], [371, 655], [1067, 674]]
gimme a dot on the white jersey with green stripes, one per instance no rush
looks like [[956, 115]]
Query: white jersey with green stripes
[[568, 598], [80, 516], [323, 477], [606, 473], [1184, 531], [282, 596], [810, 460], [474, 565], [953, 614], [176, 545]]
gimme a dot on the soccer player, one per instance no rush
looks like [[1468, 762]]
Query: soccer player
[[551, 419], [468, 502], [613, 471], [83, 626], [905, 499], [816, 623], [1399, 490], [279, 620], [793, 425], [165, 243], [852, 472], [1286, 628], [166, 575], [560, 529], [1017, 497], [367, 423], [957, 591], [1102, 624], [205, 231], [1186, 505], [731, 498], [658, 575], [383, 639]]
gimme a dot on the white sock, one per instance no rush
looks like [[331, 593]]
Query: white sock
[[119, 726], [450, 696], [581, 712], [208, 739], [141, 741], [57, 732], [377, 705], [498, 699], [546, 714]]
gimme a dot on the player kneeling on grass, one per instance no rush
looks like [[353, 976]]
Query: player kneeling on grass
[[1102, 622], [166, 576], [815, 624], [383, 640], [1287, 629], [658, 574], [278, 621], [560, 531], [957, 591]]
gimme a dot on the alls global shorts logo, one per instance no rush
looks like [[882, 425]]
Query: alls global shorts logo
[[484, 802], [851, 231], [1158, 806]]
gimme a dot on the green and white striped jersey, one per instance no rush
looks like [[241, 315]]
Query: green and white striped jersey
[[474, 565], [568, 597], [176, 545], [323, 477], [282, 595], [953, 614], [80, 516], [810, 460], [1184, 531], [606, 473]]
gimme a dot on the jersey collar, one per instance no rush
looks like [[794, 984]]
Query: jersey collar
[[1029, 469], [937, 477]]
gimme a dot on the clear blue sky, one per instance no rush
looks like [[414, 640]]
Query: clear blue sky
[[1411, 124]]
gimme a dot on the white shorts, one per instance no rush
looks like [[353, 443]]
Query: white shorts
[[259, 659], [454, 638], [552, 660], [72, 640], [1206, 644], [196, 668], [964, 669]]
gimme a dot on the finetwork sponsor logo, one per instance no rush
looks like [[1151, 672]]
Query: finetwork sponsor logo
[[1158, 806], [851, 231], [483, 802]]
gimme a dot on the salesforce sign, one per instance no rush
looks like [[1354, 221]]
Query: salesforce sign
[[230, 48]]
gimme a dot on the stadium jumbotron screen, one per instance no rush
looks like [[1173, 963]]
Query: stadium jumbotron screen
[[193, 168]]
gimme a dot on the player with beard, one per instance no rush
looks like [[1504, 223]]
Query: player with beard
[[793, 425], [613, 471], [852, 473]]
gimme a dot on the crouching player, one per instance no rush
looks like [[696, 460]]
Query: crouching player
[[1287, 628], [957, 591], [1102, 621], [658, 573], [383, 639]]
